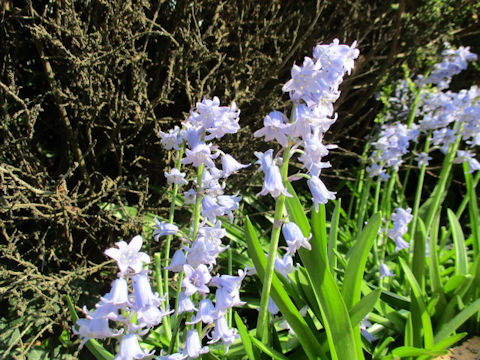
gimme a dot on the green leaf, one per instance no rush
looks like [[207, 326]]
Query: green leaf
[[336, 319], [426, 322], [364, 307], [319, 229], [379, 352], [246, 339], [298, 324], [457, 321], [472, 208], [434, 266], [267, 350], [461, 262], [357, 260], [332, 236], [408, 351], [419, 246], [454, 283]]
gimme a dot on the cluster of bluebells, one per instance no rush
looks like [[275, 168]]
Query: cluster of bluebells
[[443, 116], [313, 89], [131, 304], [199, 251]]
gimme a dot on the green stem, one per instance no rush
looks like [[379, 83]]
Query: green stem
[[198, 202], [472, 208], [440, 187], [418, 192], [166, 254], [272, 253], [363, 204]]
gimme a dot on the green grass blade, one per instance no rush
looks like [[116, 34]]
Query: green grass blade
[[434, 266], [298, 324], [364, 307], [461, 263], [357, 260], [472, 209], [380, 350], [319, 229], [409, 351], [425, 322], [457, 321], [95, 348], [246, 339], [336, 319], [333, 235], [267, 350], [419, 247]]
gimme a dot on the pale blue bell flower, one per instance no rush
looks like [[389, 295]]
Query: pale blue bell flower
[[130, 349]]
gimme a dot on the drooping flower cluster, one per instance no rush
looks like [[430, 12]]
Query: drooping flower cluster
[[131, 304], [203, 244], [392, 144], [454, 62], [400, 219], [442, 116], [313, 89]]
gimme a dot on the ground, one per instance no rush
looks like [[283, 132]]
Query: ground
[[469, 350]]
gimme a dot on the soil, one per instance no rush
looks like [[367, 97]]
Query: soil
[[469, 350]]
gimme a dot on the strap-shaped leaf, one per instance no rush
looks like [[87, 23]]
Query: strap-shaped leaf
[[357, 260], [364, 307], [409, 351], [246, 340], [461, 262], [336, 319], [268, 350], [457, 321], [305, 336], [417, 294]]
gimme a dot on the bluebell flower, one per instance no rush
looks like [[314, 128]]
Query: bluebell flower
[[284, 265], [128, 256], [273, 183], [400, 218], [163, 228], [144, 296], [385, 271], [175, 177], [319, 191], [177, 262], [221, 332], [118, 295], [94, 328], [193, 347], [275, 127], [130, 349], [185, 304], [294, 237], [230, 165], [468, 157], [173, 139], [196, 279], [199, 154], [206, 313]]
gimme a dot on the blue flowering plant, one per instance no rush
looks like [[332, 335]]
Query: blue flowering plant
[[356, 283]]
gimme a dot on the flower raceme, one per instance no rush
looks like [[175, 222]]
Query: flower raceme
[[313, 89], [131, 309], [122, 304], [442, 116], [202, 243]]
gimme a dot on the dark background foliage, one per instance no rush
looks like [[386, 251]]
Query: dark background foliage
[[85, 86]]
